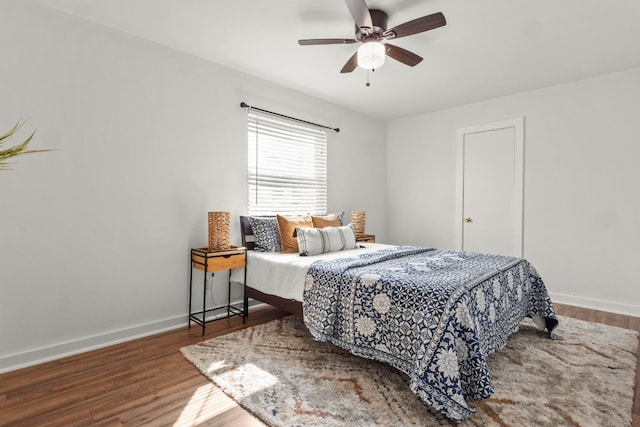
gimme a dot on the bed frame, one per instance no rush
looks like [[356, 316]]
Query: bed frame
[[290, 305]]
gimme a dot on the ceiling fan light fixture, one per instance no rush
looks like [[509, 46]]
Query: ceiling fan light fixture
[[371, 55]]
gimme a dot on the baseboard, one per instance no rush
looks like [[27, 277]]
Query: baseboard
[[608, 306], [58, 351], [16, 361]]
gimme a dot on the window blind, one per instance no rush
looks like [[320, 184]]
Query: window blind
[[287, 166]]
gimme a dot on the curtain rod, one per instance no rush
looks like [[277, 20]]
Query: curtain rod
[[245, 105]]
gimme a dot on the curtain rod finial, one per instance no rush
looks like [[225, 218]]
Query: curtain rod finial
[[243, 105]]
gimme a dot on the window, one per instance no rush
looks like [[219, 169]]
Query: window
[[287, 166]]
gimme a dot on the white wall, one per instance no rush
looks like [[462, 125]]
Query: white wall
[[581, 184], [95, 237]]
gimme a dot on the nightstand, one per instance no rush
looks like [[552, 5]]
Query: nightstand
[[366, 238], [210, 261]]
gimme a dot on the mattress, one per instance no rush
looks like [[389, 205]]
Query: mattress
[[283, 274]]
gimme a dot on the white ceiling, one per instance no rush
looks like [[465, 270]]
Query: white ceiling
[[489, 48]]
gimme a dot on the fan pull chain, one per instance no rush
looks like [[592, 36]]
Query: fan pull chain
[[368, 83]]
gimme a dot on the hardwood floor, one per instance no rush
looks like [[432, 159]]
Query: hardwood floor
[[148, 382]]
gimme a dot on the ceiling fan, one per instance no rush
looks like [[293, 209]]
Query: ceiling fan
[[372, 32]]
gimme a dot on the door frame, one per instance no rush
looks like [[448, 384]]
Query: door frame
[[518, 126]]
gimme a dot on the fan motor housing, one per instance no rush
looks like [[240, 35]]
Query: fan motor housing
[[379, 20]]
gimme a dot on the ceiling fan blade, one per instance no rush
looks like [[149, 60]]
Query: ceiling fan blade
[[351, 64], [310, 42], [360, 13], [402, 55], [416, 26]]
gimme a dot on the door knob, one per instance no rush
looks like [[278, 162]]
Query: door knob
[[467, 219]]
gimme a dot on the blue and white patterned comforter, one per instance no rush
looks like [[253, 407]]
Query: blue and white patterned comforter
[[435, 315]]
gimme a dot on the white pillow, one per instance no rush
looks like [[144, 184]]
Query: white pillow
[[314, 241]]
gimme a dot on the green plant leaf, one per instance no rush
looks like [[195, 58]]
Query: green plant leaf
[[17, 150], [11, 132]]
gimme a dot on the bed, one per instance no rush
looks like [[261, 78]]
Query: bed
[[435, 315]]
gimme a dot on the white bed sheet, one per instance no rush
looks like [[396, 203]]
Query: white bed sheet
[[283, 275]]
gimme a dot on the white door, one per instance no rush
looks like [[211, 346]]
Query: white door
[[489, 203]]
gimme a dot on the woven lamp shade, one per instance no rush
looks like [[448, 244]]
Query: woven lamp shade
[[359, 219], [219, 230]]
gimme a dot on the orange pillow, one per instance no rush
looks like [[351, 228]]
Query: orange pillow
[[331, 220], [286, 227]]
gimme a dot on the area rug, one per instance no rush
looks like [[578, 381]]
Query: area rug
[[285, 378]]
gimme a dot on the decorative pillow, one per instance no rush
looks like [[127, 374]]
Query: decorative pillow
[[330, 220], [265, 231], [287, 226], [315, 241]]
